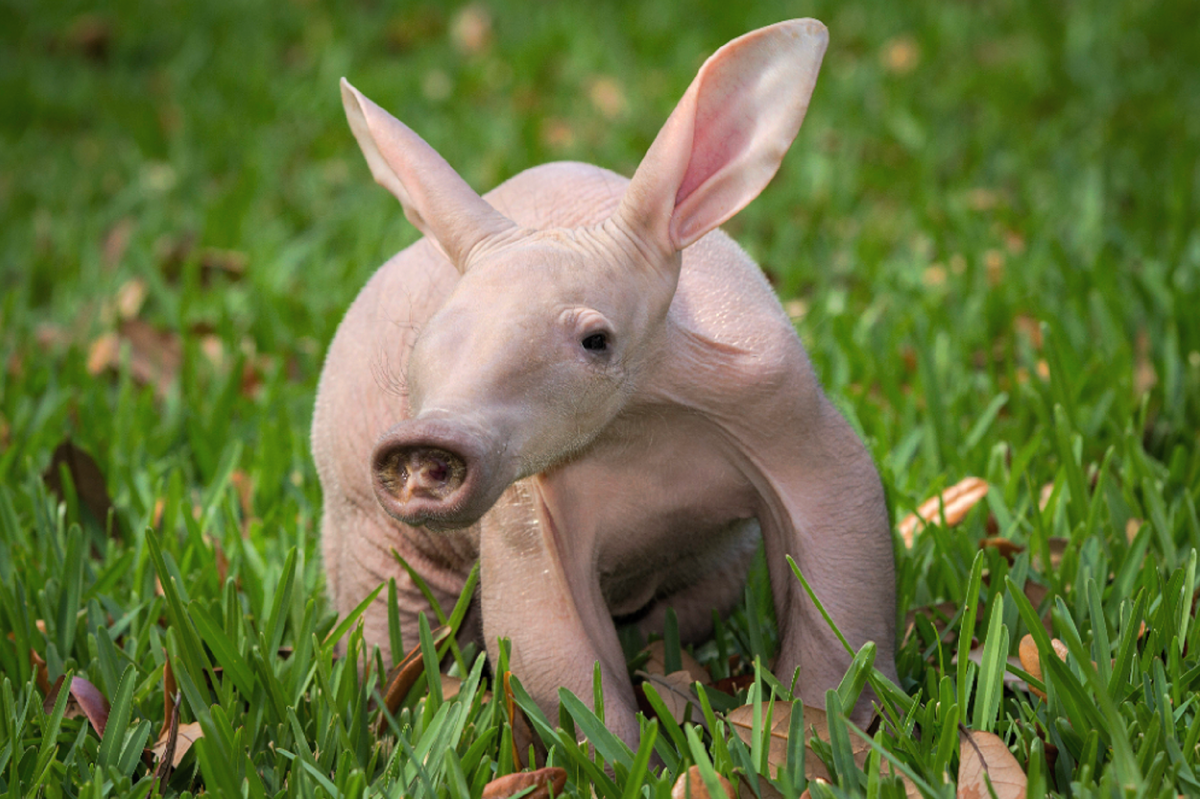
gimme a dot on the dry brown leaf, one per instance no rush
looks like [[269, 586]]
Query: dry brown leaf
[[86, 477], [607, 97], [735, 684], [1030, 328], [1007, 549], [1145, 377], [130, 297], [957, 500], [84, 699], [1044, 495], [452, 686], [557, 134], [103, 353], [471, 29], [675, 690], [985, 753], [816, 723], [231, 263], [901, 55], [41, 672], [1132, 528], [543, 781], [117, 241], [523, 736], [187, 734], [1031, 660], [657, 664], [170, 696], [765, 790], [939, 614], [404, 674], [89, 35], [691, 785], [155, 355], [1058, 548]]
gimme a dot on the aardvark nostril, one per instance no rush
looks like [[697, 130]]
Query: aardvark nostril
[[423, 472]]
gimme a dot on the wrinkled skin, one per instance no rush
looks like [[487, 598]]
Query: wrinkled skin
[[580, 382]]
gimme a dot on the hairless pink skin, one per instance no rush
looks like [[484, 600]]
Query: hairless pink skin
[[580, 382]]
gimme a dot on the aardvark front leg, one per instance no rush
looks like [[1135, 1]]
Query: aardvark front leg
[[539, 590], [824, 506]]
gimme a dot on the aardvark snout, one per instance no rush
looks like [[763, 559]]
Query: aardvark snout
[[432, 474]]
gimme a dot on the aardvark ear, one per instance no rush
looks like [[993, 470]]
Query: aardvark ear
[[435, 198], [726, 138]]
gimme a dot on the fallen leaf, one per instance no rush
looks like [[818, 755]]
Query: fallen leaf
[[1145, 377], [51, 337], [1031, 329], [543, 781], [186, 735], [993, 264], [84, 699], [104, 353], [901, 55], [657, 664], [985, 753], [607, 97], [956, 500], [154, 355], [675, 690], [452, 686], [41, 672], [982, 198], [816, 723], [1058, 547], [471, 29], [934, 275], [691, 785], [130, 297], [522, 730], [89, 35], [404, 674], [231, 263], [557, 134], [735, 684], [85, 476], [1007, 549], [117, 241], [170, 696], [1031, 659], [939, 614]]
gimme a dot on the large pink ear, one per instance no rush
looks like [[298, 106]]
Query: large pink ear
[[435, 198], [726, 138]]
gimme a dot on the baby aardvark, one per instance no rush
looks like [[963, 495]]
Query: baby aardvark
[[580, 382]]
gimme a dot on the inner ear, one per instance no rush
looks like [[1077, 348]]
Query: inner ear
[[726, 138]]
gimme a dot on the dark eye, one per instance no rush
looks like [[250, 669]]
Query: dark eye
[[596, 342]]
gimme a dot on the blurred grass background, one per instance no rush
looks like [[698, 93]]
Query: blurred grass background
[[989, 212], [965, 171]]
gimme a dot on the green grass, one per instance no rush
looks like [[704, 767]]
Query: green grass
[[988, 220]]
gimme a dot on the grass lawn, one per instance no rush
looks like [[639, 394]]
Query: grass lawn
[[986, 231]]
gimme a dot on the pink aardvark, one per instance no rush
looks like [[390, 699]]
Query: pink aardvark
[[580, 382]]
